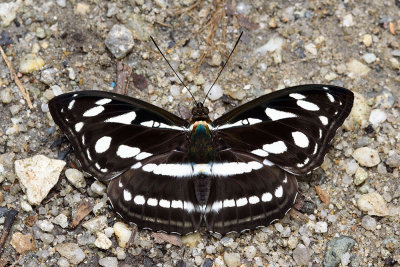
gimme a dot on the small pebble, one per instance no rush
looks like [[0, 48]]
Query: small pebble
[[356, 69], [301, 255], [121, 255], [250, 252], [72, 252], [49, 76], [394, 62], [47, 238], [216, 60], [45, 225], [374, 204], [102, 241], [321, 227], [82, 8], [98, 187], [123, 233], [369, 58], [232, 259], [75, 177], [366, 156], [6, 95], [226, 241], [191, 240], [360, 176], [292, 242], [336, 248], [377, 116], [215, 93], [30, 63], [96, 224], [345, 259], [109, 262], [367, 40], [62, 262], [273, 44], [368, 222], [22, 243], [311, 48], [348, 20], [119, 41], [61, 220]]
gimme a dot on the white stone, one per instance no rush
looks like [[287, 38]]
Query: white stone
[[25, 205], [377, 116], [37, 175], [123, 233], [98, 187], [45, 225], [215, 93], [72, 252], [348, 20], [109, 262], [374, 204], [311, 48], [274, 44], [8, 12], [75, 177], [102, 241], [321, 227], [232, 259], [250, 252], [366, 156], [61, 220], [369, 58], [96, 224], [356, 69]]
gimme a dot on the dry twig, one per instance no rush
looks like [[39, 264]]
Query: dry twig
[[15, 77]]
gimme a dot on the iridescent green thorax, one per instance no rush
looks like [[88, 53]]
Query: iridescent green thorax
[[201, 149]]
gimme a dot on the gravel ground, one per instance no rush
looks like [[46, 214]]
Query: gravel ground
[[351, 210]]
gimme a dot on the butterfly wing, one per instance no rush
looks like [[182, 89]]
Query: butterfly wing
[[111, 132], [160, 199], [291, 128], [256, 195]]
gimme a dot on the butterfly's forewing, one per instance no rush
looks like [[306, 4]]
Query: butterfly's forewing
[[291, 128], [110, 132], [251, 198]]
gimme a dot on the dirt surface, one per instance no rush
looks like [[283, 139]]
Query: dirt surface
[[59, 46]]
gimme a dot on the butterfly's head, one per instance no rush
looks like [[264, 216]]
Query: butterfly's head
[[200, 113]]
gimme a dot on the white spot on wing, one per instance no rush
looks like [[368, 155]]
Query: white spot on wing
[[241, 202], [275, 148], [260, 152], [278, 115], [285, 180], [152, 202], [127, 151], [127, 195], [254, 200], [297, 96], [249, 121], [331, 98], [325, 88], [93, 111], [139, 199], [307, 105], [71, 104], [137, 165], [88, 154], [120, 184], [266, 197], [147, 123], [188, 206], [253, 121], [126, 118], [216, 206], [78, 126], [320, 133], [143, 155], [177, 204], [315, 149], [103, 101], [279, 191], [324, 120], [300, 139], [268, 163], [229, 203], [103, 144], [165, 203]]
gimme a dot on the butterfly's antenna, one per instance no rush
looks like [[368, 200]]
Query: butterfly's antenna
[[209, 90], [173, 69]]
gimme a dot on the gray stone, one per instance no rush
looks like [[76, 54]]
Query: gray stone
[[119, 41], [232, 259], [109, 262], [368, 223], [301, 255], [75, 177], [72, 252], [96, 224], [335, 250]]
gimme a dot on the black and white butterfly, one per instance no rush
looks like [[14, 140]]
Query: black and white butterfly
[[231, 174]]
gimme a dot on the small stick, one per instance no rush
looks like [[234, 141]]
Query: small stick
[[9, 220], [132, 237], [122, 82], [17, 81]]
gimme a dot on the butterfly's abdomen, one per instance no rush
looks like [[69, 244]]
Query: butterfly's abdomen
[[201, 146]]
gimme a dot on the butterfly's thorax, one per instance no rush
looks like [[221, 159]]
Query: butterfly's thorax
[[201, 146]]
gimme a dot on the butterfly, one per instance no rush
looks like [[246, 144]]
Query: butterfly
[[235, 173]]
